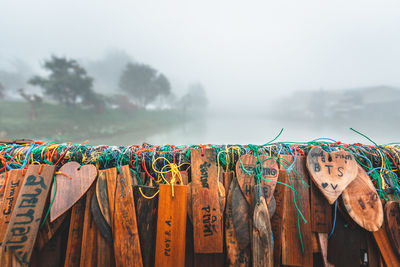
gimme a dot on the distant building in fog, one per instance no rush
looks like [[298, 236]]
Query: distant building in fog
[[375, 103]]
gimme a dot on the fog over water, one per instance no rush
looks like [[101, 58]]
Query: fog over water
[[264, 65]]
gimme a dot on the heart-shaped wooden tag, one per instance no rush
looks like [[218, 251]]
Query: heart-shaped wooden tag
[[71, 189], [392, 219], [246, 181], [331, 173], [362, 202]]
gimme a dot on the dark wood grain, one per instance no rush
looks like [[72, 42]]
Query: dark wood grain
[[321, 211], [392, 216], [146, 214], [73, 254]]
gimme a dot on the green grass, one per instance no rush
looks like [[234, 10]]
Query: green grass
[[62, 124]]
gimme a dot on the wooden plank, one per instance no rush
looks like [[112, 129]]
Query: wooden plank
[[235, 256], [88, 256], [362, 203], [374, 256], [105, 255], [51, 253], [11, 191], [123, 218], [385, 247], [49, 229], [392, 219], [207, 215], [73, 254], [277, 219], [323, 244], [321, 211], [331, 172], [184, 177], [171, 226], [72, 183], [241, 218], [292, 254], [102, 195], [146, 214], [344, 246], [261, 241], [24, 223]]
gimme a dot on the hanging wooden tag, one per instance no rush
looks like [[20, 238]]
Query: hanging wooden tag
[[2, 181], [331, 173], [24, 223], [362, 202], [277, 219], [11, 191], [102, 225], [102, 196], [392, 215], [321, 211], [71, 189], [292, 254], [227, 178], [73, 254], [261, 241], [241, 217], [235, 256], [207, 215], [89, 234], [171, 226], [388, 251], [246, 181], [146, 200], [123, 218]]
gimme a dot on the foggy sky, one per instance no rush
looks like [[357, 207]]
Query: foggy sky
[[244, 52]]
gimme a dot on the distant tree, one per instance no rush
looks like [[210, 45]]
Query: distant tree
[[2, 90], [34, 101], [195, 98], [143, 83], [67, 80]]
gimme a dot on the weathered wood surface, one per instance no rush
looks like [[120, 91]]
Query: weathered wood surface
[[362, 202], [261, 241], [49, 229], [277, 219], [246, 181], [23, 227], [146, 214], [374, 256], [102, 195], [227, 178], [11, 191], [292, 254], [345, 244], [321, 211], [241, 218], [331, 173], [74, 243], [235, 257], [103, 227], [392, 219], [105, 254], [71, 189], [88, 256], [171, 226], [385, 247], [207, 215], [123, 218]]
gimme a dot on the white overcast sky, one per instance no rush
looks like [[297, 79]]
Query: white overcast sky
[[242, 51]]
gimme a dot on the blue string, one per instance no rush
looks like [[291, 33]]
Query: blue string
[[323, 138], [334, 221]]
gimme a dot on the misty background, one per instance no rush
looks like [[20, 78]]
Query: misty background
[[235, 71]]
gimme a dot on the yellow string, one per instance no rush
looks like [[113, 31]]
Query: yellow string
[[173, 169], [146, 197]]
